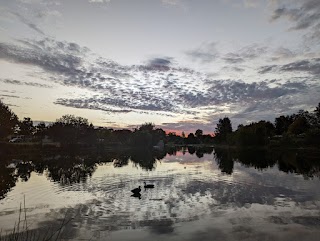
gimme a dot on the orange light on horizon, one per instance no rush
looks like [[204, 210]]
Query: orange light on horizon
[[186, 133]]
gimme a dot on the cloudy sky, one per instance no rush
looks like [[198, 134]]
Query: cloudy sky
[[181, 64]]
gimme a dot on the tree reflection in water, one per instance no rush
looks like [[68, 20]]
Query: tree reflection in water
[[76, 166]]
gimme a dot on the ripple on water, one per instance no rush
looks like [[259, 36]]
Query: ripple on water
[[179, 195]]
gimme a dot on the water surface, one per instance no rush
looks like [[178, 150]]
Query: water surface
[[198, 195]]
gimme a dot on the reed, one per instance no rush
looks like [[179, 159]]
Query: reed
[[22, 232]]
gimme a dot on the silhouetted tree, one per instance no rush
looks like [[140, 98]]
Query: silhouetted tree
[[198, 133], [8, 121], [122, 136], [191, 139], [257, 133], [41, 129], [142, 139], [70, 129], [157, 135], [223, 129], [317, 115], [147, 127], [299, 126], [282, 124], [26, 126], [207, 139], [173, 138]]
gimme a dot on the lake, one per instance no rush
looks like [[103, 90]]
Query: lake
[[199, 194]]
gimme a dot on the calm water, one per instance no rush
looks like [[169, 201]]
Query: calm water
[[198, 195]]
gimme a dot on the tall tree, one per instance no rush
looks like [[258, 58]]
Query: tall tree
[[198, 133], [317, 114], [223, 128], [8, 120]]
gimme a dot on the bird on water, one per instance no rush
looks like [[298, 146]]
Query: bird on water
[[136, 190]]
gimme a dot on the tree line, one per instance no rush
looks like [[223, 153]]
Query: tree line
[[301, 128], [70, 129]]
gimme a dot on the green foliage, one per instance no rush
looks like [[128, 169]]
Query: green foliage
[[8, 121]]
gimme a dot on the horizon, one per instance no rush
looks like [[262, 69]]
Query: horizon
[[178, 64]]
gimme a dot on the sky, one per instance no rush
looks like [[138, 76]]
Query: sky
[[180, 64]]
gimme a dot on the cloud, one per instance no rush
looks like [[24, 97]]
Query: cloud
[[160, 61], [182, 100], [304, 16], [171, 2], [28, 23], [305, 98], [18, 82], [47, 13], [246, 53], [311, 66], [205, 53], [231, 91], [118, 86], [313, 37], [99, 102], [52, 56], [175, 3], [251, 3], [233, 68], [91, 104], [158, 87], [9, 96], [165, 2], [159, 64], [233, 58], [282, 53], [99, 1]]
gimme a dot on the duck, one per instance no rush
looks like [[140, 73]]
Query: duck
[[148, 185], [136, 190]]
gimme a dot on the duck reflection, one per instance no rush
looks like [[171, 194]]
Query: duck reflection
[[136, 195]]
